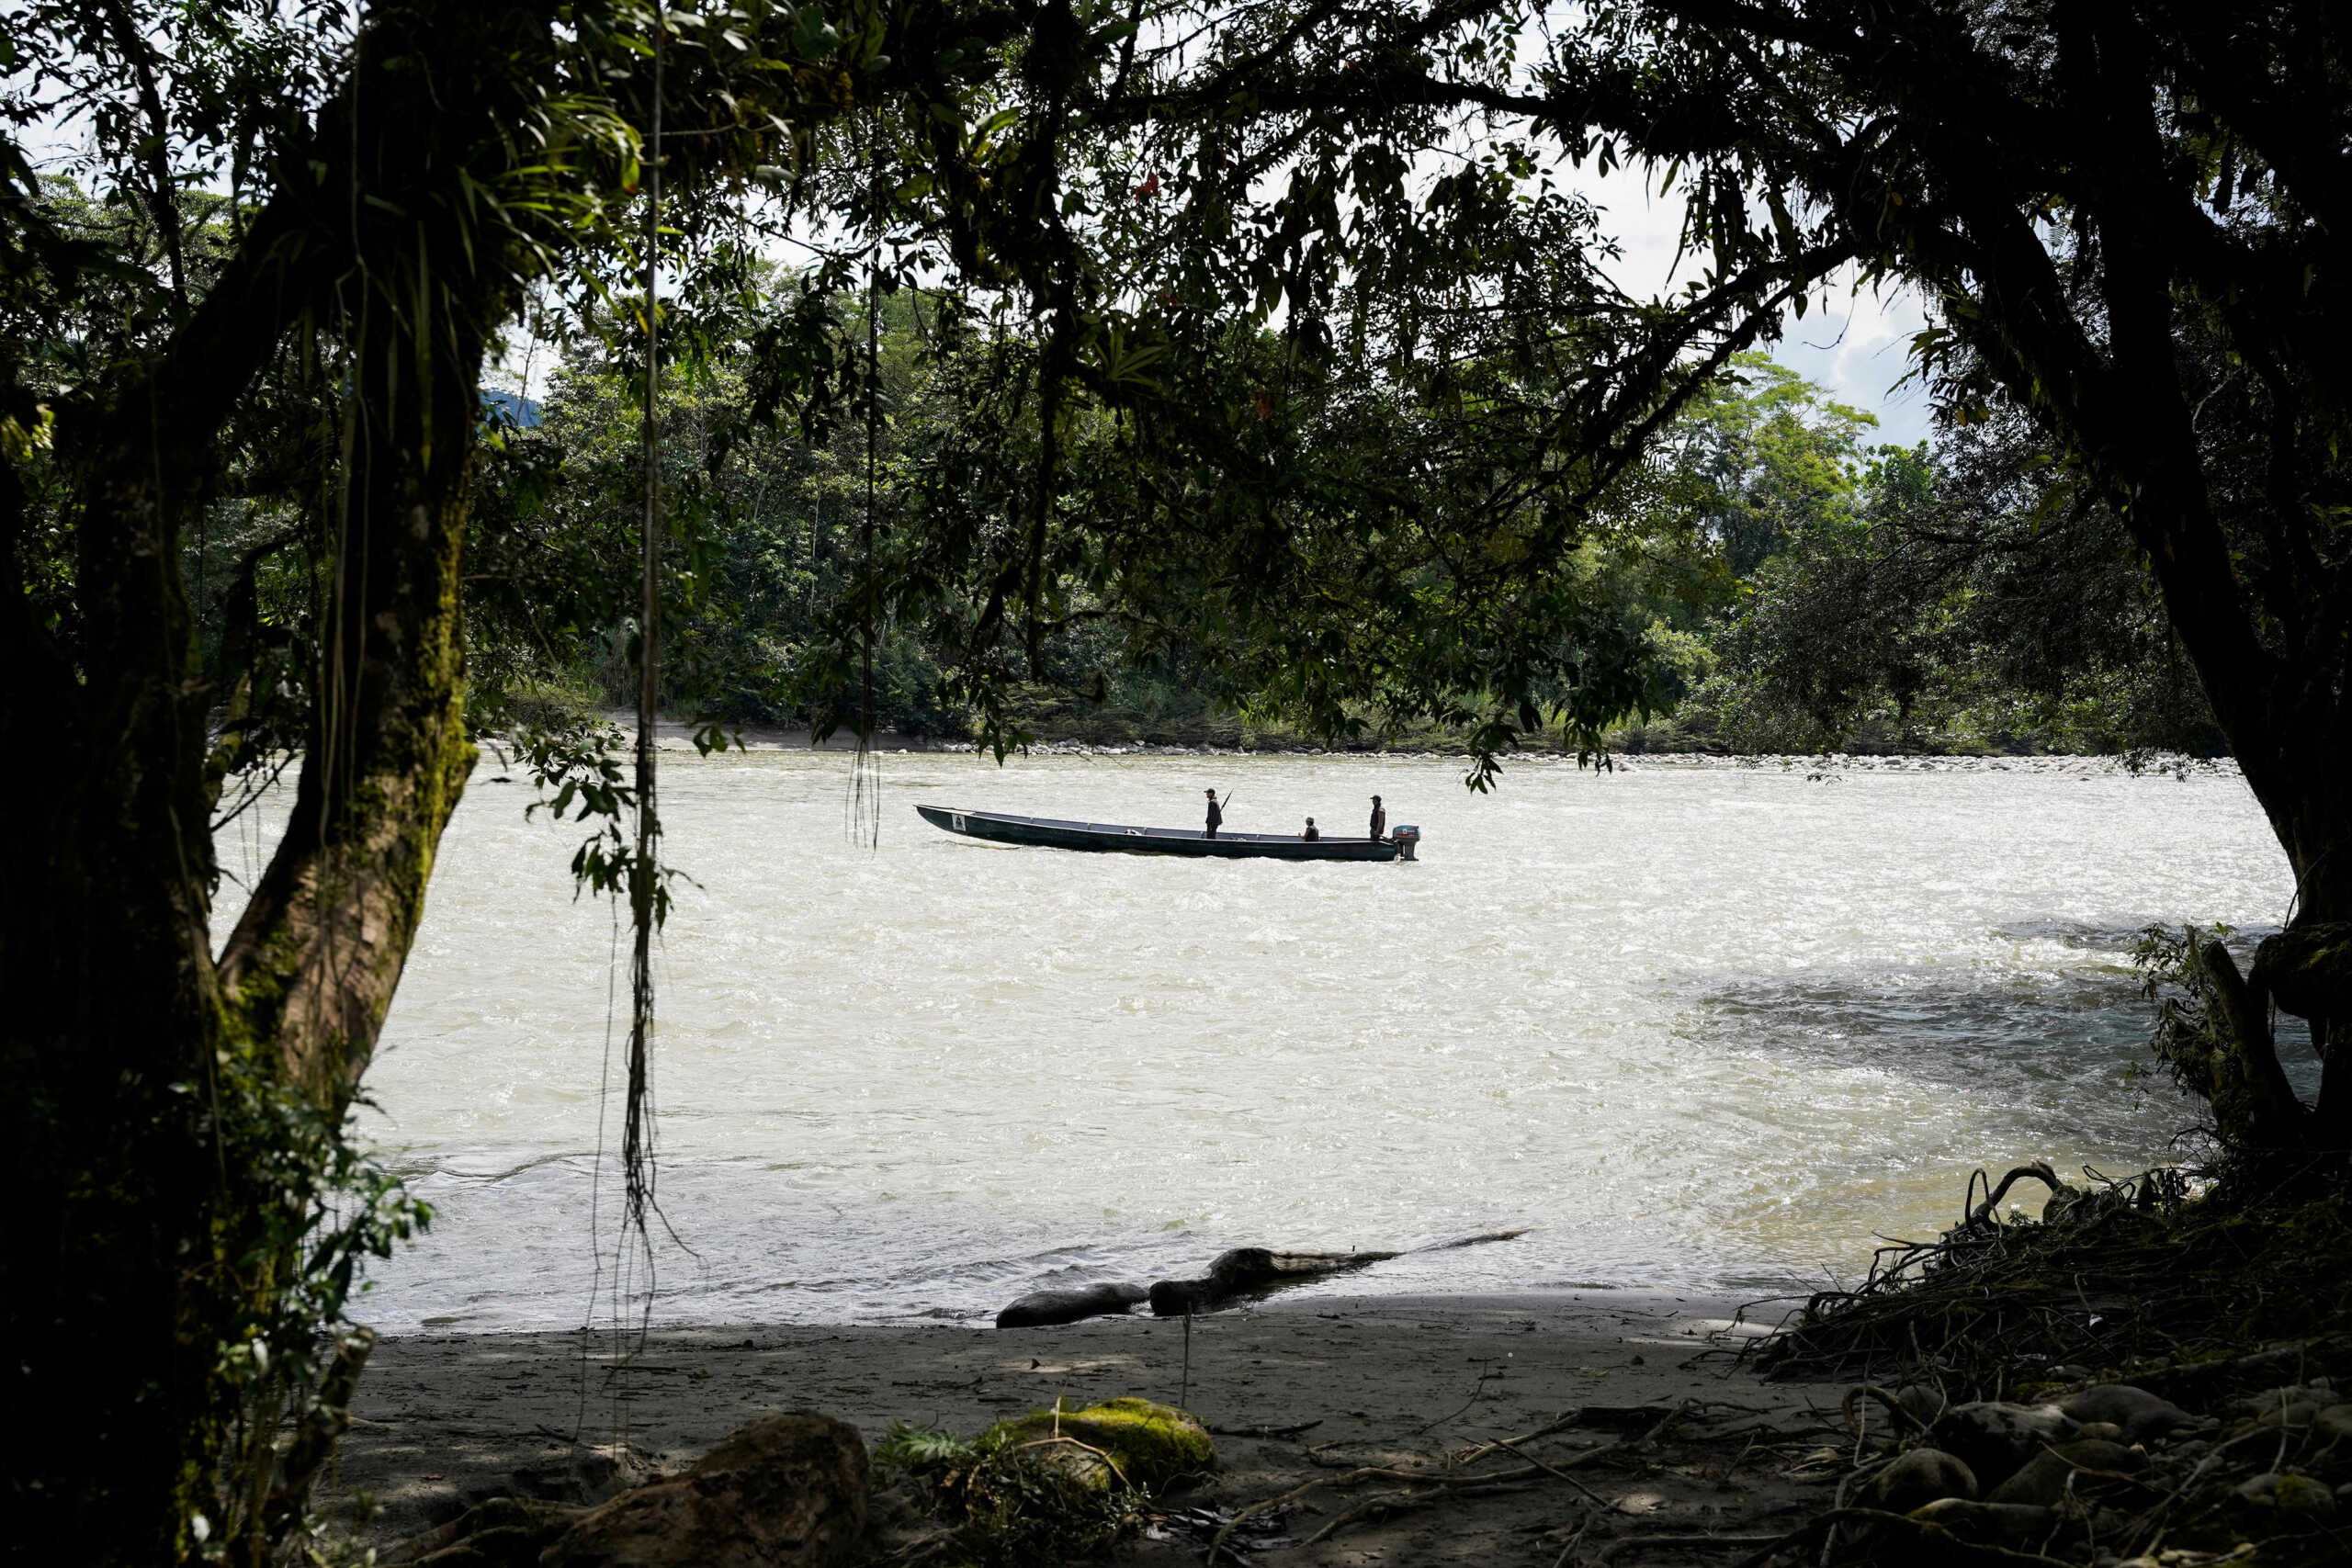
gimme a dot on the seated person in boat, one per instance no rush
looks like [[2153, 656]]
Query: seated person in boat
[[1216, 817], [1310, 834]]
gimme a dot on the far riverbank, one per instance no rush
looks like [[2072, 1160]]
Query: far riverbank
[[677, 735]]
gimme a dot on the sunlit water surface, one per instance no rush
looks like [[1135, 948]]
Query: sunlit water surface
[[1700, 1027]]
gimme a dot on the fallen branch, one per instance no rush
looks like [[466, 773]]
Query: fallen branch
[[1442, 1486], [1551, 1470], [1872, 1391], [1248, 1271], [1638, 1541], [1573, 1541], [1921, 1529], [2038, 1171], [1474, 1454], [1267, 1431], [1475, 1390], [1402, 1502]]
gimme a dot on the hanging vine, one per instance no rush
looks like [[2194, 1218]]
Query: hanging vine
[[866, 771], [648, 897]]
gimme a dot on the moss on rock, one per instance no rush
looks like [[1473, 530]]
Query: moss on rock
[[1152, 1444]]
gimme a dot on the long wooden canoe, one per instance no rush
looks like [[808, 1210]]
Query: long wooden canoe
[[1047, 833]]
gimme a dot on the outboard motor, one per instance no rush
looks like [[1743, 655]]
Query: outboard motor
[[1404, 837]]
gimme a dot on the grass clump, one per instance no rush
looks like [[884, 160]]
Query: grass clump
[[1131, 1440]]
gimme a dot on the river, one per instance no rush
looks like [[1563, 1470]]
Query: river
[[1698, 1027]]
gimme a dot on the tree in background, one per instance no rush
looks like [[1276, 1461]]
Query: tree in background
[[1804, 591], [766, 522], [1958, 596], [1765, 458]]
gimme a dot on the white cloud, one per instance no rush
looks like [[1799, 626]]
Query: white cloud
[[1854, 342], [1857, 343]]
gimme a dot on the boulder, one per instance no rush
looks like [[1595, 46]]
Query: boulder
[[1916, 1479], [2042, 1480], [505, 1532], [2299, 1495], [1041, 1309], [1152, 1444], [785, 1491], [1923, 1401], [2143, 1416], [2296, 1407], [2264, 1401], [2299, 1417], [1995, 1440]]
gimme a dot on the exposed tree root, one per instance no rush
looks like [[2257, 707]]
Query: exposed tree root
[[2042, 1328], [2116, 1272], [1455, 1479]]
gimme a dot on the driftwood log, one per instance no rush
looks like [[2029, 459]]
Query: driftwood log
[[1041, 1309], [1255, 1270], [1244, 1272], [1251, 1271]]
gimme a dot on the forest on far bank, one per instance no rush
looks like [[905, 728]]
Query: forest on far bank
[[1788, 583], [1807, 587]]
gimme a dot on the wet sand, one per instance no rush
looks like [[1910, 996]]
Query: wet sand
[[1394, 1381]]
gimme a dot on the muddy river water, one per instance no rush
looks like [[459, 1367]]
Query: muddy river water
[[1698, 1026]]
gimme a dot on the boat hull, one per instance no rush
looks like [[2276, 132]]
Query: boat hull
[[1108, 838]]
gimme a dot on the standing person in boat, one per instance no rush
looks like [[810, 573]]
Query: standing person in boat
[[1216, 817], [1310, 835], [1379, 820]]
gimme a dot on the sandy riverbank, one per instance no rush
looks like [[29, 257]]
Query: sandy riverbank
[[1399, 1380]]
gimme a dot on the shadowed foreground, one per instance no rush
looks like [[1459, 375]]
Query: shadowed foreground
[[1696, 1448]]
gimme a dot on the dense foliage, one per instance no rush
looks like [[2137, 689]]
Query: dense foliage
[[1797, 587], [1957, 597], [798, 552]]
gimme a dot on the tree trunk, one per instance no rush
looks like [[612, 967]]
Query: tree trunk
[[312, 967], [158, 1196], [2254, 1109], [111, 1027], [2121, 401]]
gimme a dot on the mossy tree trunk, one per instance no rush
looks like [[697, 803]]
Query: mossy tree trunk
[[143, 1226], [112, 1025]]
